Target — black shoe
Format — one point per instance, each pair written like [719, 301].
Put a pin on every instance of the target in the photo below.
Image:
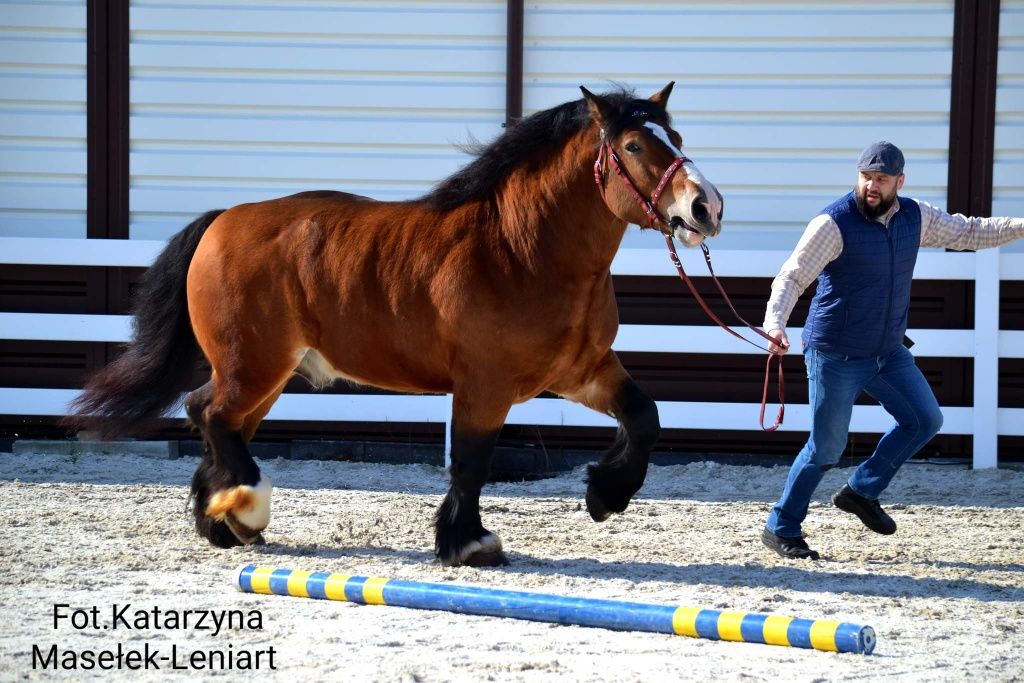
[789, 548]
[869, 511]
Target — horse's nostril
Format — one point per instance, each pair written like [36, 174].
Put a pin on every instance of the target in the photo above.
[699, 211]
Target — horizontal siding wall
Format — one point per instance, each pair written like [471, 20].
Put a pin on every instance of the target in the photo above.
[42, 119]
[235, 102]
[774, 100]
[1008, 171]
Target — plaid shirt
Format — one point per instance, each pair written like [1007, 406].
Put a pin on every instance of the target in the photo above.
[822, 243]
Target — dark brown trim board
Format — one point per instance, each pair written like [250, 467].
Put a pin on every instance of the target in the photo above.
[972, 112]
[107, 127]
[107, 31]
[514, 62]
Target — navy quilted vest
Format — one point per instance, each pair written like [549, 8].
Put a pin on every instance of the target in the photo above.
[863, 297]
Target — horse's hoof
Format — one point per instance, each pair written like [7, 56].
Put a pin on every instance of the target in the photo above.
[245, 507]
[485, 552]
[243, 533]
[492, 558]
[597, 509]
[224, 535]
[217, 533]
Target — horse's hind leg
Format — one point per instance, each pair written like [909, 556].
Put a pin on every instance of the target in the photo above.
[231, 497]
[621, 471]
[253, 419]
[461, 538]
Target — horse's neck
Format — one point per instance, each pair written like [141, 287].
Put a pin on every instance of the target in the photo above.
[552, 216]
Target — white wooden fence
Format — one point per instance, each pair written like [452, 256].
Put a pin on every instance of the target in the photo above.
[986, 344]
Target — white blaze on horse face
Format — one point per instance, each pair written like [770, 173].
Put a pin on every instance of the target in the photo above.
[662, 134]
[682, 207]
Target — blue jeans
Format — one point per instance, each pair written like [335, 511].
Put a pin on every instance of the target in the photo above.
[834, 383]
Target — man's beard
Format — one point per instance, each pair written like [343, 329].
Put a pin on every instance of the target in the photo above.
[873, 212]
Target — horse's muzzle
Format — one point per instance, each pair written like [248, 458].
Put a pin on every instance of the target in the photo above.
[687, 234]
[677, 223]
[701, 220]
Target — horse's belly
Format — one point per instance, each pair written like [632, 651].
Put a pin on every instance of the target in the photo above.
[384, 374]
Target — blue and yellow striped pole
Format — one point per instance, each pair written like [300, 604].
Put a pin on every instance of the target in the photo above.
[611, 614]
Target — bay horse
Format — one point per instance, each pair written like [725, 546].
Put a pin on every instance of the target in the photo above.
[494, 287]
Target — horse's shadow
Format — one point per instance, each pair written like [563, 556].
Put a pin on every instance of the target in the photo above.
[795, 578]
[75, 471]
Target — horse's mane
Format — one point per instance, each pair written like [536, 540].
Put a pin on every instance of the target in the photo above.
[523, 139]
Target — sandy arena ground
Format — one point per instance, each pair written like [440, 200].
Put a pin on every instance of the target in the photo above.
[945, 594]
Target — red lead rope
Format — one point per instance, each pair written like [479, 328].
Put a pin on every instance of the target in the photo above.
[700, 300]
[654, 216]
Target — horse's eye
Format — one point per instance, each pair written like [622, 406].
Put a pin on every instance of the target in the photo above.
[632, 147]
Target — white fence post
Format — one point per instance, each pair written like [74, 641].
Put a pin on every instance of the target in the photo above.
[448, 433]
[986, 358]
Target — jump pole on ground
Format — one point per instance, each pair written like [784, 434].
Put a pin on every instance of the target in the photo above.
[617, 615]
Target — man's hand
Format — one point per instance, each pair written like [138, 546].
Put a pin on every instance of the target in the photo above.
[781, 344]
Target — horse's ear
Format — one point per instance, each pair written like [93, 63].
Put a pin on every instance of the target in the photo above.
[598, 106]
[661, 98]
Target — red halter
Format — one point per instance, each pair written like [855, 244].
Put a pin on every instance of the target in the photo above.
[654, 216]
[650, 206]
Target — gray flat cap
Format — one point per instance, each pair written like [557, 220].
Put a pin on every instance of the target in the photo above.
[881, 156]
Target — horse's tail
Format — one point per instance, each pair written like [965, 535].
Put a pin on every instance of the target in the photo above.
[147, 379]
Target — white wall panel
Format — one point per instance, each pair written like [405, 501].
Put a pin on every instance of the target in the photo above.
[774, 100]
[1008, 171]
[241, 101]
[42, 119]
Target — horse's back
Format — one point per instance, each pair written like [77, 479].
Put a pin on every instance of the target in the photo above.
[333, 195]
[327, 270]
[278, 211]
[299, 216]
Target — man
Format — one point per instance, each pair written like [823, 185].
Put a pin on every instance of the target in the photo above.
[862, 249]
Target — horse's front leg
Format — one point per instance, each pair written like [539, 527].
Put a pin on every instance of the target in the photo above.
[461, 538]
[621, 471]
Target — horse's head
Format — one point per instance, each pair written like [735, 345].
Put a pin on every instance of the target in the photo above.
[643, 174]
